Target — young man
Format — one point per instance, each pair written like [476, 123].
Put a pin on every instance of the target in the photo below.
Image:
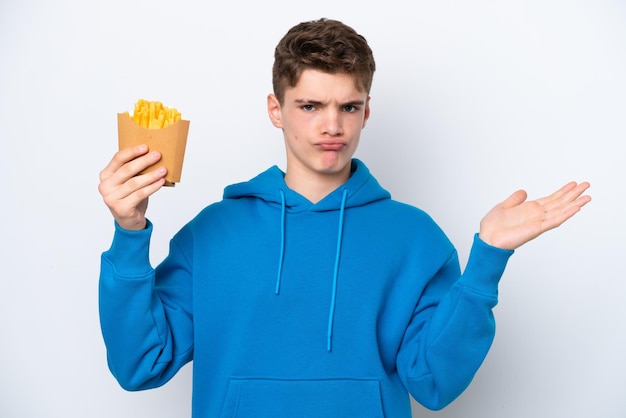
[308, 293]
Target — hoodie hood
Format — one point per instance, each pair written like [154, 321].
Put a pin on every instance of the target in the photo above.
[360, 189]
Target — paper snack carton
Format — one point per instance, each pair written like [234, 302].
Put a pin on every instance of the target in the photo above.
[169, 141]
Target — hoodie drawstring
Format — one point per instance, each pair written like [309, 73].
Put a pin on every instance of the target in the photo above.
[333, 298]
[282, 240]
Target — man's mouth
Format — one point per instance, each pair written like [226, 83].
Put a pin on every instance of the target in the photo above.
[331, 146]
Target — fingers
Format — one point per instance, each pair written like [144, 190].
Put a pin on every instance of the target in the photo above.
[125, 165]
[568, 192]
[567, 196]
[122, 157]
[114, 190]
[564, 203]
[575, 197]
[124, 190]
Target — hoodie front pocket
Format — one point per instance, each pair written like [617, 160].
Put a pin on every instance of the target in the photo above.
[325, 398]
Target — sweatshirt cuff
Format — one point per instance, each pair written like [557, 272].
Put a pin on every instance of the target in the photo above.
[485, 266]
[130, 250]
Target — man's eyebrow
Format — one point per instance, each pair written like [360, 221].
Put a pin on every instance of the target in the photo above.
[321, 103]
[308, 101]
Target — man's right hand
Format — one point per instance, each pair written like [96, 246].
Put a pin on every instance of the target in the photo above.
[124, 191]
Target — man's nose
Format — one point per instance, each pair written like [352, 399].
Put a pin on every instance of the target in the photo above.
[332, 123]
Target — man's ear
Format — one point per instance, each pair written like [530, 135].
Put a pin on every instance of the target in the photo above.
[366, 114]
[273, 110]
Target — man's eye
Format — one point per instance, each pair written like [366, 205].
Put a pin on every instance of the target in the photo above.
[350, 108]
[308, 107]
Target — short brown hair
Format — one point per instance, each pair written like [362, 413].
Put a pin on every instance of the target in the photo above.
[326, 45]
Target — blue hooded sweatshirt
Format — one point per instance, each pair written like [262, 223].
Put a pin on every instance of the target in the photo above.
[287, 308]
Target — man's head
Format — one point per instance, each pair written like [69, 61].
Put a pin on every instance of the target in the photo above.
[325, 45]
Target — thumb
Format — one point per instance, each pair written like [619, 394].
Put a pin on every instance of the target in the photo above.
[515, 199]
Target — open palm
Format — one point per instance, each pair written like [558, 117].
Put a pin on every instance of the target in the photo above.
[516, 221]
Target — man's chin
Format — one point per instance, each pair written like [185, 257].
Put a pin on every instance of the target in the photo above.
[334, 164]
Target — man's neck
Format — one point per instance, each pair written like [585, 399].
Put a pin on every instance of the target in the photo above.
[316, 187]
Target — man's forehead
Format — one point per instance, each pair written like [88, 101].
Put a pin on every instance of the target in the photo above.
[323, 87]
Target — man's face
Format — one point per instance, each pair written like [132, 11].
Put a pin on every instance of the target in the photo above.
[321, 118]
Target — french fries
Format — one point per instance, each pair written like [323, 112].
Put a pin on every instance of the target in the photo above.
[153, 115]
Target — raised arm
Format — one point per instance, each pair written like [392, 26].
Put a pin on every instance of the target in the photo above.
[515, 221]
[126, 193]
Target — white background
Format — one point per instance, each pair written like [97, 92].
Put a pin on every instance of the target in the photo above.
[471, 101]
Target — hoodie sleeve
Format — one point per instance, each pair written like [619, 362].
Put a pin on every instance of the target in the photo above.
[452, 327]
[145, 314]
